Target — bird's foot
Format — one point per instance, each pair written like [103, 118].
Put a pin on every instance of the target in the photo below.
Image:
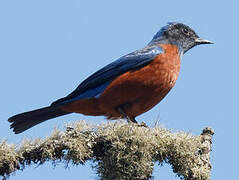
[142, 124]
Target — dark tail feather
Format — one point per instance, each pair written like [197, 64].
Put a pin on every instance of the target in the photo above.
[26, 120]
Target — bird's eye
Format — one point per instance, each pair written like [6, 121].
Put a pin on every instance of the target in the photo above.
[185, 31]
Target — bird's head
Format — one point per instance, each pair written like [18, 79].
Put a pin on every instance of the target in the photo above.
[178, 34]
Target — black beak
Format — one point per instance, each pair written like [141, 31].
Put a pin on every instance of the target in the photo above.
[202, 41]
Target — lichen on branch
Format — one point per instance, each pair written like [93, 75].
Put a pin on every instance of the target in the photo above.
[121, 150]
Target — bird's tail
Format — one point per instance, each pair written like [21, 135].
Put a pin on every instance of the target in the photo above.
[26, 120]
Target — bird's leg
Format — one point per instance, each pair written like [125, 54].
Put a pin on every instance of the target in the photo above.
[121, 111]
[132, 119]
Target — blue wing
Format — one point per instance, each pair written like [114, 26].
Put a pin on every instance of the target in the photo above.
[94, 85]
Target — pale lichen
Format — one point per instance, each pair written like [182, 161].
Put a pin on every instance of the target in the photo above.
[120, 150]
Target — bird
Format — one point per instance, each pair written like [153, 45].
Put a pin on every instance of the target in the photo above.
[127, 87]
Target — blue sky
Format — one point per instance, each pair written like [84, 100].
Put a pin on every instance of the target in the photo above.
[48, 47]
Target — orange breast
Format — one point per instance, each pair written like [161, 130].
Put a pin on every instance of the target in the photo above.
[139, 90]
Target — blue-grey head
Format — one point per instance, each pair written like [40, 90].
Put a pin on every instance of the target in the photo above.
[178, 34]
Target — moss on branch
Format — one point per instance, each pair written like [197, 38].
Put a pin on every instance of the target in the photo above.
[121, 150]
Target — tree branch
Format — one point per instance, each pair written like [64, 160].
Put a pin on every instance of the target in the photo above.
[121, 150]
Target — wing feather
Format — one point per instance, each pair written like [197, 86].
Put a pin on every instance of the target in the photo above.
[94, 85]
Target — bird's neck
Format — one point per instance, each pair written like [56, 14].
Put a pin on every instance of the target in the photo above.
[165, 41]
